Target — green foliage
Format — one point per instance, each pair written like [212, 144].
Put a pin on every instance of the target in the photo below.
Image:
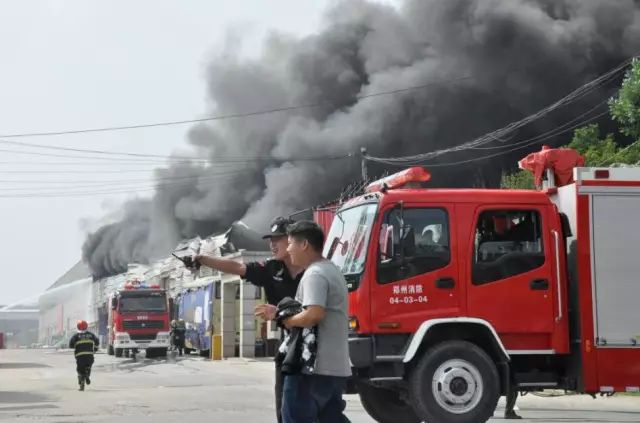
[596, 151]
[522, 179]
[625, 109]
[602, 151]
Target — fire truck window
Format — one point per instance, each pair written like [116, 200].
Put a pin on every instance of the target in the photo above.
[507, 243]
[427, 230]
[136, 303]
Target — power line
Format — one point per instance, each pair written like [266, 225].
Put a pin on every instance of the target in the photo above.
[566, 127]
[147, 157]
[617, 154]
[516, 146]
[501, 133]
[119, 190]
[232, 115]
[151, 170]
[192, 179]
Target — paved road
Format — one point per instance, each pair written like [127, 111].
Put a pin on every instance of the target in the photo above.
[40, 386]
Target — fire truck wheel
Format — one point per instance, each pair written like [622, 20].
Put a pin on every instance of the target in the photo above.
[455, 382]
[110, 350]
[126, 353]
[385, 405]
[118, 352]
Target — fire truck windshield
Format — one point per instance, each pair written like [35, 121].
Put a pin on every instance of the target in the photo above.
[348, 238]
[139, 303]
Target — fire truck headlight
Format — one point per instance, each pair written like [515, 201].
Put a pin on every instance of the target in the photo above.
[162, 337]
[122, 337]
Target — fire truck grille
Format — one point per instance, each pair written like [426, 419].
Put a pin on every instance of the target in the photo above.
[142, 336]
[143, 324]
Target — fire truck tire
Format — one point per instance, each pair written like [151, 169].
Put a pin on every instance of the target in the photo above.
[162, 352]
[455, 382]
[385, 405]
[126, 353]
[150, 353]
[118, 352]
[110, 350]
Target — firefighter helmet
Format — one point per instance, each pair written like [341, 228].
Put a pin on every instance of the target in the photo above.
[82, 325]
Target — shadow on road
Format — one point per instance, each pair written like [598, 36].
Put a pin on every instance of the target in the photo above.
[28, 407]
[16, 397]
[131, 365]
[22, 365]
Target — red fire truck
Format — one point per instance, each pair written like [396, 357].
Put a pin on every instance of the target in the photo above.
[459, 296]
[138, 320]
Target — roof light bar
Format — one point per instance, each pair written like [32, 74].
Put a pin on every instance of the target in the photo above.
[413, 175]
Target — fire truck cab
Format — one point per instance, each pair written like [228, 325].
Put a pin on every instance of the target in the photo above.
[458, 296]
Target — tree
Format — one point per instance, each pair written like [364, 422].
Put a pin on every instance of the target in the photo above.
[625, 108]
[596, 151]
[522, 179]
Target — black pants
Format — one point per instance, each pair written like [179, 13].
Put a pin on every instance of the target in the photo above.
[83, 365]
[278, 391]
[179, 345]
[511, 401]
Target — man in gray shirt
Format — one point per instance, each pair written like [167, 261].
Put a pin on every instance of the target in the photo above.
[317, 397]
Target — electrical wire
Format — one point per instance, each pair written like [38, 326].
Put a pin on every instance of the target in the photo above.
[567, 126]
[149, 157]
[194, 180]
[221, 159]
[610, 159]
[93, 192]
[502, 133]
[232, 115]
[489, 156]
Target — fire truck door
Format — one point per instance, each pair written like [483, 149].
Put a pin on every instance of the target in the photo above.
[511, 279]
[421, 282]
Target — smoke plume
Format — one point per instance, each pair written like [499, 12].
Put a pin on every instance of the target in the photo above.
[518, 55]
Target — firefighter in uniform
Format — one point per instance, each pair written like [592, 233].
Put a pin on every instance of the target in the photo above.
[179, 333]
[278, 277]
[85, 344]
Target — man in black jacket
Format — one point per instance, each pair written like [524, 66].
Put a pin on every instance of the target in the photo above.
[85, 344]
[278, 277]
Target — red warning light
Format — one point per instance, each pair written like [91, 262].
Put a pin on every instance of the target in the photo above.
[399, 180]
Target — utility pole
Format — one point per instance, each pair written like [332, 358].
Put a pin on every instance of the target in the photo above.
[363, 153]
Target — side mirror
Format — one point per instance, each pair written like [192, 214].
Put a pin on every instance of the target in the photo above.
[114, 303]
[332, 248]
[386, 243]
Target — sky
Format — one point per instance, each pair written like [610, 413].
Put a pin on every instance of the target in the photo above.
[69, 64]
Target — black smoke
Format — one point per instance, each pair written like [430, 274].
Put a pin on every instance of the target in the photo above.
[111, 248]
[518, 56]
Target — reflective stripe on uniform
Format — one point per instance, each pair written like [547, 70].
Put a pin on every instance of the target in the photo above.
[84, 341]
[84, 353]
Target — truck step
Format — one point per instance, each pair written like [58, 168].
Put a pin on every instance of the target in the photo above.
[536, 380]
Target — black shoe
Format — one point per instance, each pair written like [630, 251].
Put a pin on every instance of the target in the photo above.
[81, 387]
[87, 380]
[511, 415]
